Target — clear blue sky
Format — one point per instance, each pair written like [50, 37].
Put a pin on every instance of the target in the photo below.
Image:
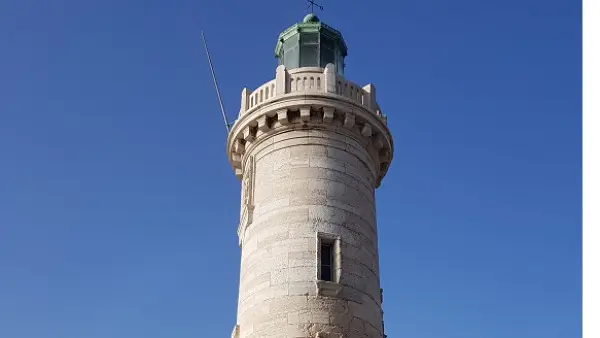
[118, 208]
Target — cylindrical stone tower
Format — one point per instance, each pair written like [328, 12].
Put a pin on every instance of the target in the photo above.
[310, 147]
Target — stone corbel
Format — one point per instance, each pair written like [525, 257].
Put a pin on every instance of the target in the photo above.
[366, 130]
[248, 134]
[282, 117]
[349, 120]
[305, 114]
[238, 146]
[378, 142]
[328, 114]
[263, 124]
[236, 159]
[238, 173]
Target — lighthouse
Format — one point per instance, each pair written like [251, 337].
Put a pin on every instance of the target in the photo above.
[310, 147]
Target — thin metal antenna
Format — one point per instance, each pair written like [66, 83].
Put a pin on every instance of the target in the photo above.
[212, 72]
[312, 5]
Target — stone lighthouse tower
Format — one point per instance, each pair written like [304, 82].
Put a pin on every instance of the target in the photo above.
[310, 147]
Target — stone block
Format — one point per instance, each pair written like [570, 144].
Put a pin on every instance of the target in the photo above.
[248, 291]
[327, 142]
[341, 318]
[342, 155]
[263, 193]
[269, 322]
[327, 135]
[325, 214]
[294, 263]
[317, 186]
[307, 255]
[327, 163]
[302, 288]
[370, 315]
[271, 205]
[282, 157]
[289, 215]
[360, 254]
[373, 331]
[254, 278]
[291, 135]
[280, 277]
[292, 142]
[264, 163]
[291, 244]
[272, 235]
[290, 187]
[289, 304]
[293, 330]
[250, 244]
[272, 294]
[340, 205]
[358, 268]
[303, 200]
[350, 294]
[308, 150]
[302, 230]
[302, 273]
[248, 308]
[361, 173]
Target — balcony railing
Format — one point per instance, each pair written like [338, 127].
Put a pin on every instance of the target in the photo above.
[310, 80]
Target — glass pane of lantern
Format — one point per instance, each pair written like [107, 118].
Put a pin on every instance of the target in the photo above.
[309, 56]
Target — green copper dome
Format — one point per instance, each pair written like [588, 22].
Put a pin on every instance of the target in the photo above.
[310, 18]
[311, 43]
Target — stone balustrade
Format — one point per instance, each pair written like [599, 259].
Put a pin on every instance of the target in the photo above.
[311, 80]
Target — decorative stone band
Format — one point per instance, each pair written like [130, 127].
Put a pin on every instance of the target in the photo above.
[312, 110]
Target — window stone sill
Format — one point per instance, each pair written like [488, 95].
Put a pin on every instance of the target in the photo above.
[328, 289]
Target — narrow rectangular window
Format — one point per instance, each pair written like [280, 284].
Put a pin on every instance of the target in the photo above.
[329, 258]
[326, 262]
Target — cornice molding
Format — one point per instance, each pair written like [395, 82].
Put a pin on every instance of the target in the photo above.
[323, 111]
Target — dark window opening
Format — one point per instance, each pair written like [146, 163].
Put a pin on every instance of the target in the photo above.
[309, 56]
[327, 262]
[327, 51]
[309, 51]
[291, 51]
